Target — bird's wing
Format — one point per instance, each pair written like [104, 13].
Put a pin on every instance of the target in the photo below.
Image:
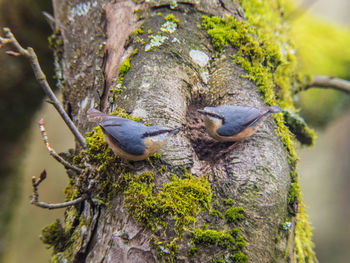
[237, 118]
[114, 121]
[126, 134]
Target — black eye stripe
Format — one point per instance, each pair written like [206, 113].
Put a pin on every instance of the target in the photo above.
[212, 114]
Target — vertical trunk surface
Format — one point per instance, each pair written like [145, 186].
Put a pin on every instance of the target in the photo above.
[165, 85]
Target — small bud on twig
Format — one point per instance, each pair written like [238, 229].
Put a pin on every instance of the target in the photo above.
[12, 53]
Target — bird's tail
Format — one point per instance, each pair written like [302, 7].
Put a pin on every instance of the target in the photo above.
[95, 115]
[266, 111]
[274, 109]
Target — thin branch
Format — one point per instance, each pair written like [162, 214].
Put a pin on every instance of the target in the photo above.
[59, 205]
[329, 82]
[52, 152]
[35, 197]
[41, 78]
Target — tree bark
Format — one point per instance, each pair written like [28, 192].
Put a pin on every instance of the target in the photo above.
[165, 86]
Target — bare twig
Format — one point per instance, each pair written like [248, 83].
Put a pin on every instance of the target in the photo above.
[35, 197]
[41, 78]
[50, 20]
[329, 82]
[52, 152]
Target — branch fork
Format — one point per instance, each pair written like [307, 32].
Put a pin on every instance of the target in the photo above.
[35, 197]
[41, 78]
[37, 181]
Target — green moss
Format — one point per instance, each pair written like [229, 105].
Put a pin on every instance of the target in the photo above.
[54, 236]
[192, 251]
[71, 236]
[217, 260]
[157, 155]
[229, 202]
[124, 67]
[138, 31]
[180, 199]
[294, 194]
[171, 18]
[71, 191]
[299, 128]
[55, 41]
[122, 113]
[230, 242]
[223, 240]
[240, 243]
[98, 151]
[173, 248]
[303, 245]
[277, 239]
[63, 239]
[235, 231]
[162, 169]
[166, 249]
[216, 213]
[234, 214]
[106, 163]
[212, 237]
[58, 258]
[239, 257]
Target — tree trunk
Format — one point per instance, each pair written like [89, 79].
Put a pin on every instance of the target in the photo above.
[201, 201]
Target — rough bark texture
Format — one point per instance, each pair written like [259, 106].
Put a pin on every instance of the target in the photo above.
[166, 86]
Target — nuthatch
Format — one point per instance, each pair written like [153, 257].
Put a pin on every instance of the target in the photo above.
[234, 123]
[129, 139]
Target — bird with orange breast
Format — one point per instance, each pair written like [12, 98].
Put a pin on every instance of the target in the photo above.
[234, 123]
[129, 139]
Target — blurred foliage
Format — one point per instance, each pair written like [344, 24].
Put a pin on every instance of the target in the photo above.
[20, 95]
[19, 92]
[323, 48]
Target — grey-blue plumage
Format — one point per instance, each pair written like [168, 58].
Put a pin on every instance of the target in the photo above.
[234, 123]
[130, 139]
[126, 133]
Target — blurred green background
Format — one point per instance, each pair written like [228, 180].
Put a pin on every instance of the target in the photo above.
[322, 38]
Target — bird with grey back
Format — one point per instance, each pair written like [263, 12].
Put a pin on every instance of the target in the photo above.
[234, 123]
[129, 139]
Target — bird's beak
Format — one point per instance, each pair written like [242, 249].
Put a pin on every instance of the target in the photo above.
[175, 131]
